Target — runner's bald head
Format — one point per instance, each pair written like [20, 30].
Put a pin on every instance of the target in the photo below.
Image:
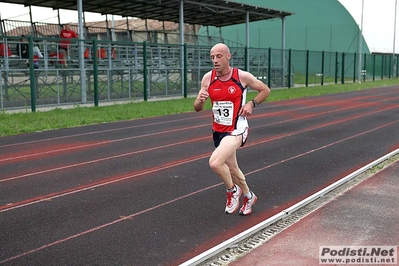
[221, 47]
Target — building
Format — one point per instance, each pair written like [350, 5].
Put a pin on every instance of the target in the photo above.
[320, 25]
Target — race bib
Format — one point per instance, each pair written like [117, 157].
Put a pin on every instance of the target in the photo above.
[223, 112]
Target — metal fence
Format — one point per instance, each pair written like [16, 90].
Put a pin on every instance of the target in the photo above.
[106, 71]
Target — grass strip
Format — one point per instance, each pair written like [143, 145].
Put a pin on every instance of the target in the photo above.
[27, 122]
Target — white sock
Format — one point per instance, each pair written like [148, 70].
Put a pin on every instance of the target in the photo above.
[248, 195]
[233, 189]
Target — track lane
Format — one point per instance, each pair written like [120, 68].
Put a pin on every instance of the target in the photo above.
[178, 180]
[101, 227]
[103, 129]
[76, 171]
[8, 157]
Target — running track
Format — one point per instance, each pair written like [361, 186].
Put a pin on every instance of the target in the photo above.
[141, 192]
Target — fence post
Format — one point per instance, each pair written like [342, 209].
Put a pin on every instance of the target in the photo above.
[246, 53]
[336, 67]
[269, 68]
[95, 72]
[145, 69]
[343, 69]
[307, 68]
[354, 68]
[289, 68]
[322, 68]
[185, 71]
[373, 67]
[365, 66]
[397, 66]
[32, 75]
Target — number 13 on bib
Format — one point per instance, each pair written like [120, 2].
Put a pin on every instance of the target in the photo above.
[223, 112]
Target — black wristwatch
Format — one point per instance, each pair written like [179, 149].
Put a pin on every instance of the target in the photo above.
[254, 102]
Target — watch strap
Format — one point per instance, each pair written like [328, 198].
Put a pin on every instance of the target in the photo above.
[254, 102]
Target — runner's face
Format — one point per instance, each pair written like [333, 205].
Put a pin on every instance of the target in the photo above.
[220, 59]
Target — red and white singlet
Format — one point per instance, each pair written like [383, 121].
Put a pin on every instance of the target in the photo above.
[227, 99]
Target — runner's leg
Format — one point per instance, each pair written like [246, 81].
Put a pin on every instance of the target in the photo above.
[225, 152]
[236, 174]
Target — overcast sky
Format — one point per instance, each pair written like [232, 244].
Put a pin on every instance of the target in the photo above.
[47, 15]
[378, 22]
[378, 19]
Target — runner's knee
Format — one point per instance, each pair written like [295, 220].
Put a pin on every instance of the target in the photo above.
[214, 163]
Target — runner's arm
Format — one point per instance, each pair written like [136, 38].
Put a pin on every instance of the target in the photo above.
[203, 93]
[249, 80]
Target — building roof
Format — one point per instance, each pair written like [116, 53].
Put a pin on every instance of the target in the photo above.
[137, 25]
[217, 13]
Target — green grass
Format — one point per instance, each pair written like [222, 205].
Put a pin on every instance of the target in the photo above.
[27, 122]
[300, 78]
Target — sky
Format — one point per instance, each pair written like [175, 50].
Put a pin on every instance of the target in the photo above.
[378, 19]
[378, 22]
[20, 12]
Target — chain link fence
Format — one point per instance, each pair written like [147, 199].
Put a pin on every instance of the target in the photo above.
[96, 71]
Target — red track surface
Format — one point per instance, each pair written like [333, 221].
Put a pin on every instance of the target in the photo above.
[140, 192]
[366, 216]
